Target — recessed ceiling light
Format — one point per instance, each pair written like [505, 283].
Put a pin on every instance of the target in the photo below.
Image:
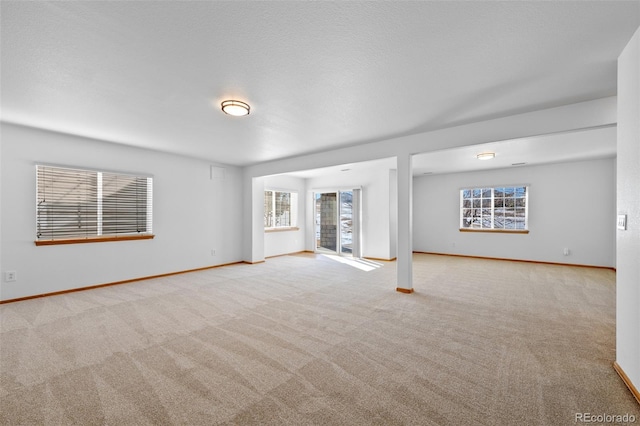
[486, 155]
[236, 108]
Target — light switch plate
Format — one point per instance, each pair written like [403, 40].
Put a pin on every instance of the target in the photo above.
[622, 222]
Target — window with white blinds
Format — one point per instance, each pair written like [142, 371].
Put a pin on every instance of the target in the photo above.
[74, 204]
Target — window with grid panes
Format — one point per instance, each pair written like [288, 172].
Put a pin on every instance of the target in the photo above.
[494, 208]
[280, 209]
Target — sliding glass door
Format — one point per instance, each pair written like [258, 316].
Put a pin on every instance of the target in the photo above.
[326, 221]
[337, 217]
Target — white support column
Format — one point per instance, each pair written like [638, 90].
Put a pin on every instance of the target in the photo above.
[405, 224]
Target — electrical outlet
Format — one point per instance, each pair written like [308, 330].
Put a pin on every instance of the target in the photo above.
[213, 252]
[566, 251]
[10, 276]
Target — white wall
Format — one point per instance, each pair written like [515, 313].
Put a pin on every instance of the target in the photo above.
[1, 180]
[193, 215]
[628, 195]
[393, 213]
[293, 241]
[376, 217]
[570, 205]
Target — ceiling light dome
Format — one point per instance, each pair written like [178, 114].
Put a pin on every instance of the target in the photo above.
[236, 108]
[486, 155]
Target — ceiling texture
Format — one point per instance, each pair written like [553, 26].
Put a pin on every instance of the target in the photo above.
[318, 75]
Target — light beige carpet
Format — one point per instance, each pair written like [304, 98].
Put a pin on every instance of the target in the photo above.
[309, 340]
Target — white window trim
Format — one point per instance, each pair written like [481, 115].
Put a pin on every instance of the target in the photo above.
[294, 206]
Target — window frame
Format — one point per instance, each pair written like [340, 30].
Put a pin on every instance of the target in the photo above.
[97, 235]
[492, 203]
[293, 210]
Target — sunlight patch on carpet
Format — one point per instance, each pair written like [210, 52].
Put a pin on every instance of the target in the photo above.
[362, 264]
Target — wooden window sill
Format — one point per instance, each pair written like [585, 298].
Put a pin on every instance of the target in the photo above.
[101, 239]
[496, 231]
[289, 228]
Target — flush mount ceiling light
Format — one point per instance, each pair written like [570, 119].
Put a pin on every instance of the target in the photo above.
[486, 155]
[235, 108]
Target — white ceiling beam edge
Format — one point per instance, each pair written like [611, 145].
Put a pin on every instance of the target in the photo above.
[580, 116]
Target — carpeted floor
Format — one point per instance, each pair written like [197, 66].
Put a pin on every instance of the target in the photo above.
[308, 339]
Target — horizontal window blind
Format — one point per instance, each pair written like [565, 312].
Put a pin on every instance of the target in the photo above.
[73, 203]
[124, 204]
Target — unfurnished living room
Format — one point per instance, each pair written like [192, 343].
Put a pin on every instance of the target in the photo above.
[319, 213]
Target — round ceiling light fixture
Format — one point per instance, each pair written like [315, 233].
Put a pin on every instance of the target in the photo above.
[486, 155]
[235, 108]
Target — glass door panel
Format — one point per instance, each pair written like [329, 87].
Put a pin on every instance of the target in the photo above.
[326, 206]
[346, 222]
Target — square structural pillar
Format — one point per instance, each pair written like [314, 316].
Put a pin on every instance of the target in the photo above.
[405, 224]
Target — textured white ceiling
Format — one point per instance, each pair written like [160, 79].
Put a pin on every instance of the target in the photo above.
[318, 75]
